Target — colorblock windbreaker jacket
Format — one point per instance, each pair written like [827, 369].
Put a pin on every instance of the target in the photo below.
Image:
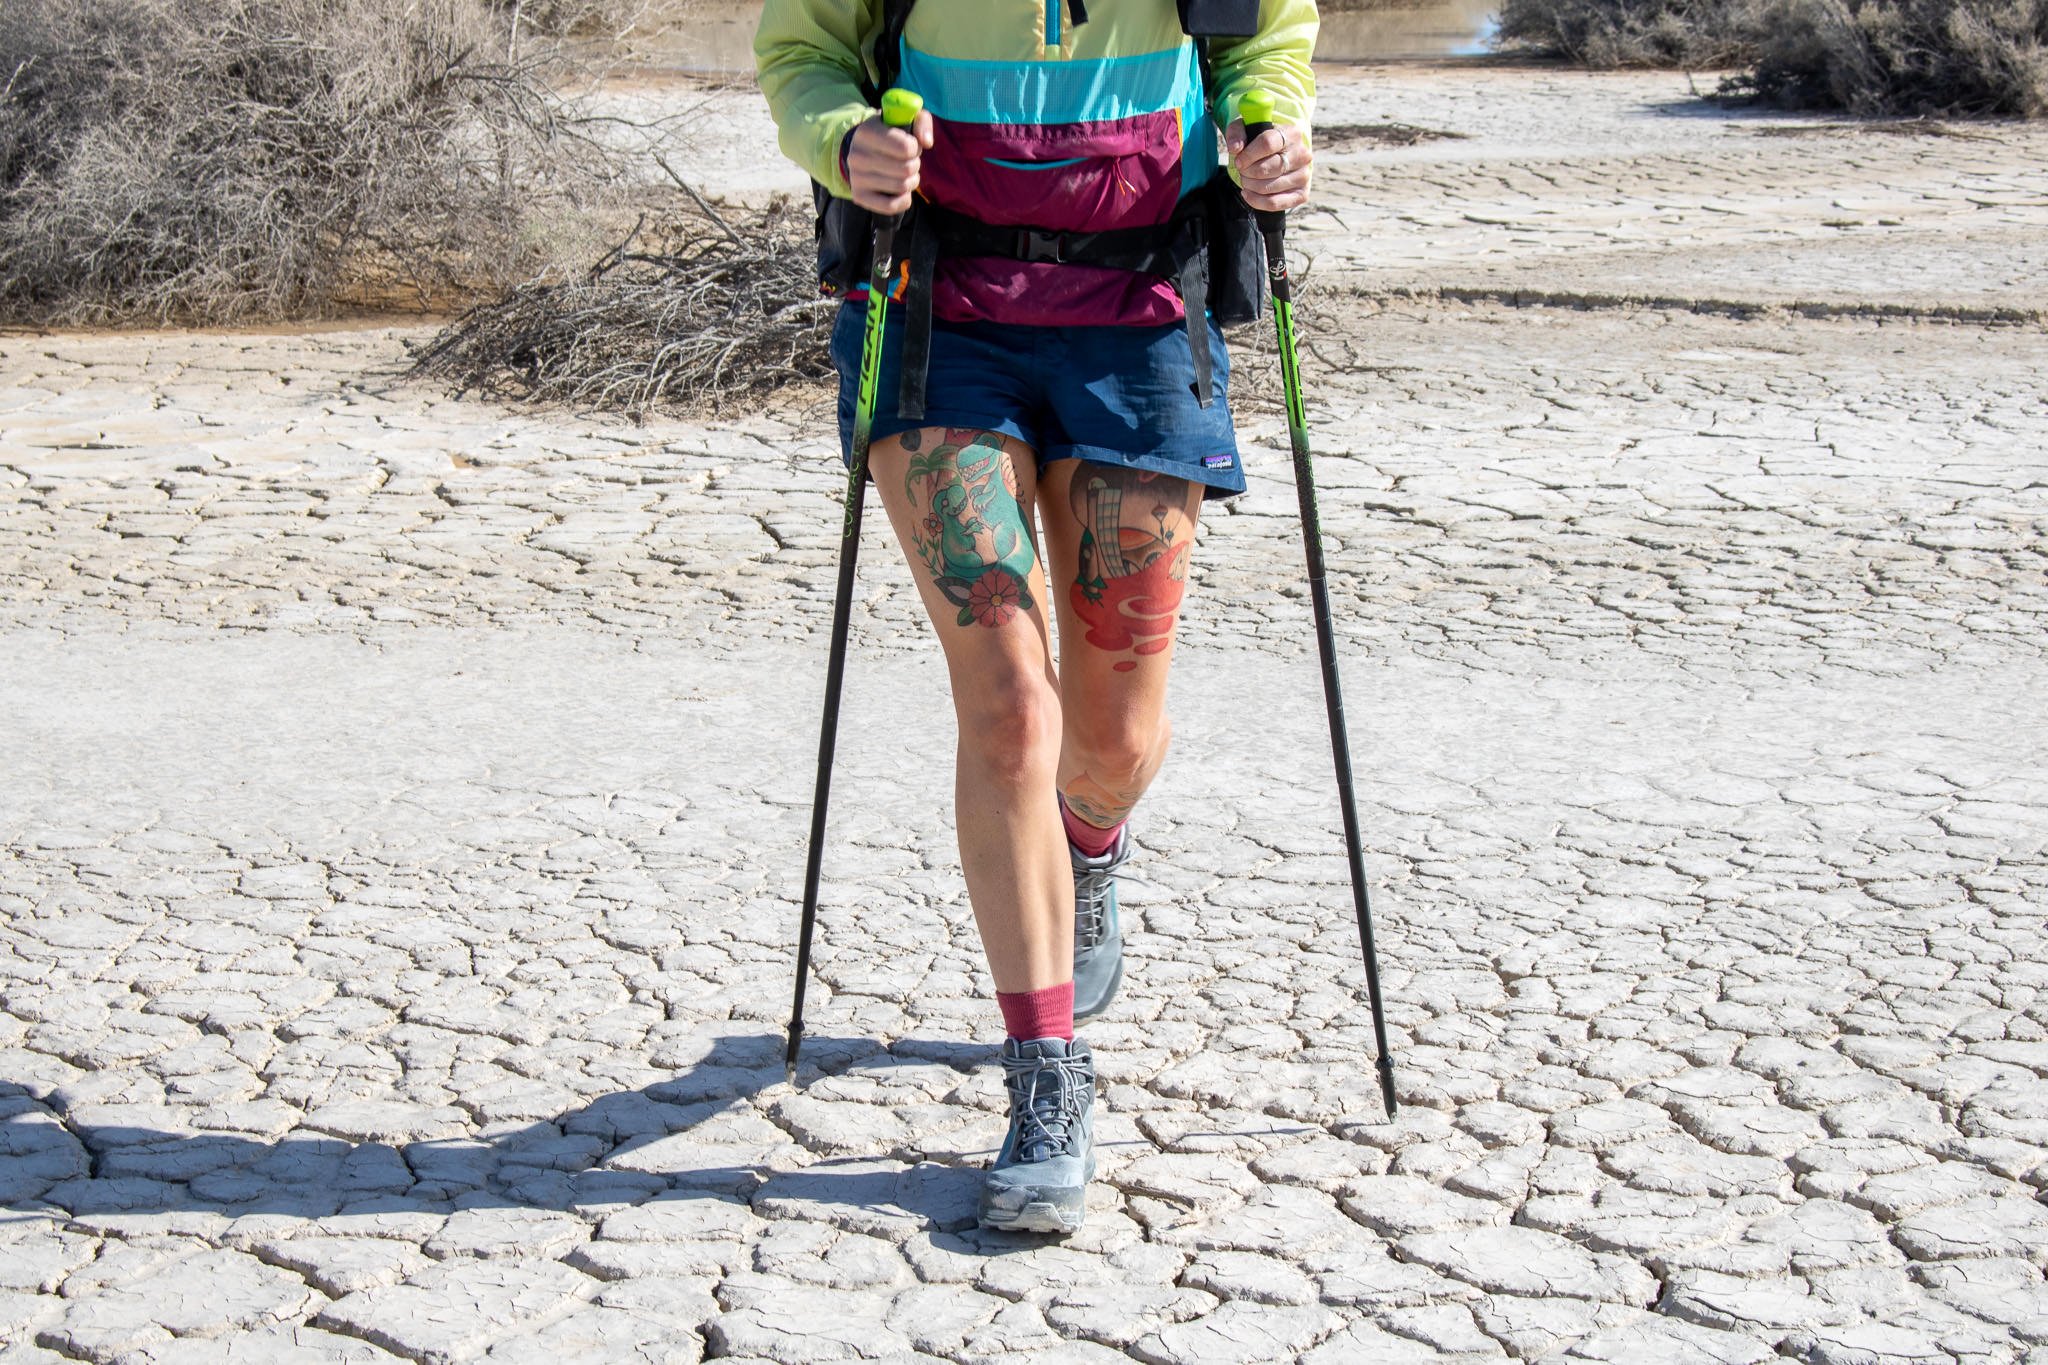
[1039, 121]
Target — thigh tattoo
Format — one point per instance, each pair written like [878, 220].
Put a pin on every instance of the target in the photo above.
[1135, 540]
[970, 531]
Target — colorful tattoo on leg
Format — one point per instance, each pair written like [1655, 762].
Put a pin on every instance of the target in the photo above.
[1134, 558]
[973, 536]
[1095, 803]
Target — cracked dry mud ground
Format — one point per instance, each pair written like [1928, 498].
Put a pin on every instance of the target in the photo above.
[403, 818]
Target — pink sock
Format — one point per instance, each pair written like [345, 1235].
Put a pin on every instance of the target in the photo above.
[1092, 840]
[1048, 1013]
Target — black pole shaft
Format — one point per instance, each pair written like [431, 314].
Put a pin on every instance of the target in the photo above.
[1273, 228]
[828, 739]
[842, 615]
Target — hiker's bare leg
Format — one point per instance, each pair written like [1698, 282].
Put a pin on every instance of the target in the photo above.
[1117, 545]
[961, 503]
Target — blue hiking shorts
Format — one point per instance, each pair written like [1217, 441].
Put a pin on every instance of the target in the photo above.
[1114, 395]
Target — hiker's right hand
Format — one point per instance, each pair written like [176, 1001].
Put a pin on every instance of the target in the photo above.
[882, 163]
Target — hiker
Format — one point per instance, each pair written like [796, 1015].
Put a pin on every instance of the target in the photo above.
[1069, 228]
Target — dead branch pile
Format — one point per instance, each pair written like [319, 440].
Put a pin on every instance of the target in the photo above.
[224, 160]
[724, 315]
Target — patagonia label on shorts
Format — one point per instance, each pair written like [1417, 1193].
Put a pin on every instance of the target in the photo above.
[1218, 461]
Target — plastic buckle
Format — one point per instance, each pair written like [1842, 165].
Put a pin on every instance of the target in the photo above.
[1041, 246]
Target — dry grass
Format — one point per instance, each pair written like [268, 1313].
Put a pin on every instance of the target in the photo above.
[234, 160]
[721, 315]
[1869, 57]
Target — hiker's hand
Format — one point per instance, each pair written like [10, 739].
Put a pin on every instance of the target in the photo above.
[882, 163]
[1274, 169]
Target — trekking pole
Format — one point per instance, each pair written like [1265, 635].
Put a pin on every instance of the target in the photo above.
[1257, 111]
[899, 109]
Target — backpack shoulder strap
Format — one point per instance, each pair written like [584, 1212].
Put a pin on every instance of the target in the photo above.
[889, 42]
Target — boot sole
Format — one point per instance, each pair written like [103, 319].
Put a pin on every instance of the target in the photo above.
[1033, 1217]
[1037, 1215]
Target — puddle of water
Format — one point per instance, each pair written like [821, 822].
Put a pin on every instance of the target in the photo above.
[1445, 28]
[716, 37]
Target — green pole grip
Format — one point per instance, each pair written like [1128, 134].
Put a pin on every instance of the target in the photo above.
[900, 107]
[1256, 109]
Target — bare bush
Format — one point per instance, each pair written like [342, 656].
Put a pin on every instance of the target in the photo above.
[220, 160]
[1954, 57]
[1866, 56]
[725, 313]
[1692, 34]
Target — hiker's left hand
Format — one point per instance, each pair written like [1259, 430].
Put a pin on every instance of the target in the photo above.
[1274, 169]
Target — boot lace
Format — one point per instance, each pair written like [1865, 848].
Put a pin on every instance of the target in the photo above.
[1045, 1101]
[1091, 898]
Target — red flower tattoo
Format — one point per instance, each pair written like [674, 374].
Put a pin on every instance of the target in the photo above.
[993, 599]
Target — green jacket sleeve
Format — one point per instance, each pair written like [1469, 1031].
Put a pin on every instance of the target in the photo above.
[808, 60]
[1276, 57]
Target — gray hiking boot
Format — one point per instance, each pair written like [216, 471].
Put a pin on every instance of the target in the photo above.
[1098, 935]
[1039, 1182]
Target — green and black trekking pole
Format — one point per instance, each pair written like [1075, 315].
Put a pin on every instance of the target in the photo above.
[899, 110]
[1256, 109]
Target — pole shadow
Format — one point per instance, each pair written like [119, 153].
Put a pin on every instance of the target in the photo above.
[688, 1137]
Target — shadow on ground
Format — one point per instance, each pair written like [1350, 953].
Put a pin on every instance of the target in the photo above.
[684, 1138]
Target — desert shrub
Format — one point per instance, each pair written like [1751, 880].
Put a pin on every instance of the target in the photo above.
[1906, 56]
[1866, 56]
[219, 160]
[1693, 34]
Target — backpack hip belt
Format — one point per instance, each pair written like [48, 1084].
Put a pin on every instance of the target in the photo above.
[1176, 250]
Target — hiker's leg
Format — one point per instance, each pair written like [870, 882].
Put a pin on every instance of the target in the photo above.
[1118, 541]
[961, 504]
